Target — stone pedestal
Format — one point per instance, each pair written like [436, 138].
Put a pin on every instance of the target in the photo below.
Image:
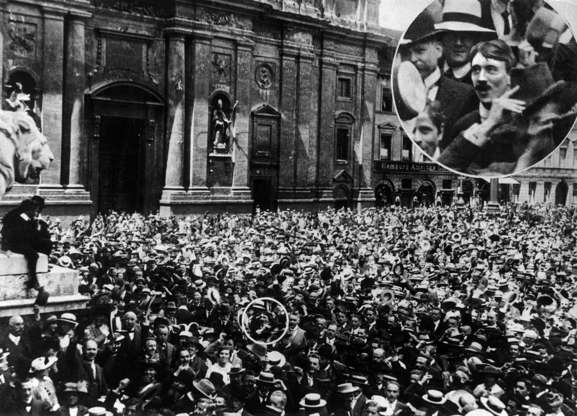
[60, 283]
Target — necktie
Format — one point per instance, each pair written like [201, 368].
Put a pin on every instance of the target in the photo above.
[507, 27]
[449, 74]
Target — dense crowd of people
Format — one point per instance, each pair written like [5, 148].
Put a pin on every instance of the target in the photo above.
[390, 312]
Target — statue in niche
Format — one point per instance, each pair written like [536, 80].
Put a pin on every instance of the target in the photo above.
[223, 125]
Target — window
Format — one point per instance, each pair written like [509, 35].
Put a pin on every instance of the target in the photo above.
[343, 143]
[345, 87]
[407, 149]
[447, 184]
[547, 192]
[547, 162]
[343, 136]
[516, 191]
[532, 190]
[407, 183]
[385, 148]
[562, 156]
[575, 190]
[386, 99]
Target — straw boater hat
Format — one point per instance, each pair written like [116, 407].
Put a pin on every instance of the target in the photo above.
[312, 401]
[462, 16]
[205, 387]
[68, 318]
[276, 359]
[434, 397]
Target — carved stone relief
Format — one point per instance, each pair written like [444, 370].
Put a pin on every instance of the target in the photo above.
[22, 38]
[219, 18]
[221, 68]
[264, 75]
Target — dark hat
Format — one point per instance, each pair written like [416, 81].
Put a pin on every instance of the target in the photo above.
[563, 93]
[258, 349]
[422, 28]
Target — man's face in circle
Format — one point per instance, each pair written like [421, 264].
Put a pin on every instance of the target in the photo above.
[457, 46]
[490, 78]
[425, 56]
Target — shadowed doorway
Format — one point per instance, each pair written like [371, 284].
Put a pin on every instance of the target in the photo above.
[121, 165]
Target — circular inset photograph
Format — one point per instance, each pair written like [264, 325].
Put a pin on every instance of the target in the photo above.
[487, 88]
[265, 321]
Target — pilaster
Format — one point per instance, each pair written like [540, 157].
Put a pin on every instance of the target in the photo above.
[53, 78]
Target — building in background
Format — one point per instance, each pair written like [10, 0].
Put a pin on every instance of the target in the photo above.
[186, 106]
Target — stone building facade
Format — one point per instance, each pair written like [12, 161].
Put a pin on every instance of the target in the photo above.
[184, 106]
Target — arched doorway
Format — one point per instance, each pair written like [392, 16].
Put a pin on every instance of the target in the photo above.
[127, 151]
[561, 193]
[426, 193]
[384, 195]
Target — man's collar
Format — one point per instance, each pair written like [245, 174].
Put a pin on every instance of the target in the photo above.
[483, 112]
[459, 72]
[433, 78]
[25, 216]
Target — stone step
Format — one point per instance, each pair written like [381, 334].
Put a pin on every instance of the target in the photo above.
[57, 282]
[13, 263]
[56, 304]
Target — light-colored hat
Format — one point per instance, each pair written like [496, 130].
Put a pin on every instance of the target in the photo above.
[42, 363]
[494, 405]
[462, 16]
[276, 358]
[434, 397]
[312, 401]
[347, 388]
[68, 318]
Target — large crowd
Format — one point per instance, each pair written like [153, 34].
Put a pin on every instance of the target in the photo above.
[424, 311]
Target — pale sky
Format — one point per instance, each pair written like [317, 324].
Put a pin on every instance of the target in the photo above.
[398, 14]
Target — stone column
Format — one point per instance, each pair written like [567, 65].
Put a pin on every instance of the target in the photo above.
[53, 77]
[367, 121]
[175, 127]
[75, 83]
[327, 91]
[287, 160]
[306, 143]
[242, 124]
[2, 5]
[200, 117]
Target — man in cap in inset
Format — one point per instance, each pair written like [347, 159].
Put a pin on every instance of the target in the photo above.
[422, 46]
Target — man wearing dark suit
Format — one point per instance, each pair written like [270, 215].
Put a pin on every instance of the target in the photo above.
[21, 234]
[28, 405]
[463, 25]
[354, 402]
[18, 344]
[472, 150]
[422, 46]
[93, 375]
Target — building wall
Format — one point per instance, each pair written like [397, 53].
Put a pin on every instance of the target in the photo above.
[169, 62]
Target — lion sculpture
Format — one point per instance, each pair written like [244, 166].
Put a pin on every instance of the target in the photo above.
[24, 150]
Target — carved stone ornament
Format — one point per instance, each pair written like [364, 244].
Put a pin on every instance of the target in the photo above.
[23, 37]
[145, 7]
[222, 19]
[264, 76]
[221, 65]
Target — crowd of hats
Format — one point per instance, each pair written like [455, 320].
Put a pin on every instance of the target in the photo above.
[456, 307]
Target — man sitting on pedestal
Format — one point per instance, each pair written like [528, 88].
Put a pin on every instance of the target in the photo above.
[21, 233]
